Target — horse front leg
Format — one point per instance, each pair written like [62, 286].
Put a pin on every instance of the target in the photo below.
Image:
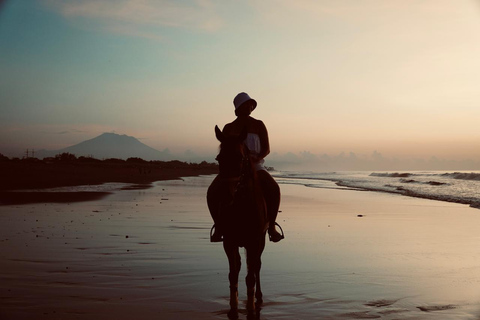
[253, 279]
[234, 262]
[258, 293]
[250, 281]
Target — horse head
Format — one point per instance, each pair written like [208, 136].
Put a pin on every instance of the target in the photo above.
[233, 159]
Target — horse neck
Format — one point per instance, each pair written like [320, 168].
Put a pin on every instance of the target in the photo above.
[248, 170]
[247, 178]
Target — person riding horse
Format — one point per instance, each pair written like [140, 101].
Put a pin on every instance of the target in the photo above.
[258, 144]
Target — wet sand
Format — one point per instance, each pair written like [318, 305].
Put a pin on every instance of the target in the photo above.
[347, 255]
[25, 197]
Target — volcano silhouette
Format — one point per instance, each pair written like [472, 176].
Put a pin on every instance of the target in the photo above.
[111, 145]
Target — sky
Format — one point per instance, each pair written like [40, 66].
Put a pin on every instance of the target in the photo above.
[371, 79]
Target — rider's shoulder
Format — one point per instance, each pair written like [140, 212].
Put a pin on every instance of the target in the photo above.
[256, 123]
[253, 125]
[259, 124]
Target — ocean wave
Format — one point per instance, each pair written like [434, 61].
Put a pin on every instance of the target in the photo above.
[431, 183]
[401, 189]
[436, 183]
[463, 176]
[458, 187]
[409, 181]
[388, 188]
[391, 175]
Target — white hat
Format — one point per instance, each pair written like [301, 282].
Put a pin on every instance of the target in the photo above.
[241, 98]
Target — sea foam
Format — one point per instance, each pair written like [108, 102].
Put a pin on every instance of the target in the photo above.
[459, 187]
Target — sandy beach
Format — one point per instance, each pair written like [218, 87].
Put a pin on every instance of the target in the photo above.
[145, 254]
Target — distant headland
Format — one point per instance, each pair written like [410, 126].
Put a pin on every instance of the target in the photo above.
[66, 169]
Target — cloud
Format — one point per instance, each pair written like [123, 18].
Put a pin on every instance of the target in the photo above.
[142, 18]
[72, 131]
[372, 16]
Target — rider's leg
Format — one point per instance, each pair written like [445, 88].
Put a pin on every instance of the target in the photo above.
[271, 192]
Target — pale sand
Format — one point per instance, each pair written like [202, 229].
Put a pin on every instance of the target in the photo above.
[137, 255]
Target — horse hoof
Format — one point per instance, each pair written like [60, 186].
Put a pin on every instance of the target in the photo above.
[234, 300]
[259, 297]
[250, 305]
[252, 315]
[232, 314]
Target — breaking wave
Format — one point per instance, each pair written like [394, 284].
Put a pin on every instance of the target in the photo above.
[458, 187]
[432, 183]
[463, 176]
[391, 175]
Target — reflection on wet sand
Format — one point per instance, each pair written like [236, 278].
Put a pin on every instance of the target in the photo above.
[15, 198]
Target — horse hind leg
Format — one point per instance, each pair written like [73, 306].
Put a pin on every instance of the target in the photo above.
[250, 281]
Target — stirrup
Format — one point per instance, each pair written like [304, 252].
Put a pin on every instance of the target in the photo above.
[282, 236]
[212, 239]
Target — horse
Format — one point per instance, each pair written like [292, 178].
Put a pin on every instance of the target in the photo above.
[243, 217]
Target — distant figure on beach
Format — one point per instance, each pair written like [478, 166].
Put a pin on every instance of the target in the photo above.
[258, 144]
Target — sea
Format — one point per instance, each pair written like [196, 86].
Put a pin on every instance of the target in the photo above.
[459, 187]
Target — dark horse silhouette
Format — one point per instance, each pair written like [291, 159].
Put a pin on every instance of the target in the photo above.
[243, 217]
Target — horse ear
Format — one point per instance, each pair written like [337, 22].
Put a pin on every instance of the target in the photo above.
[243, 135]
[219, 134]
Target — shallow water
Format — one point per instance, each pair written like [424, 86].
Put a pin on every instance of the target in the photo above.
[347, 255]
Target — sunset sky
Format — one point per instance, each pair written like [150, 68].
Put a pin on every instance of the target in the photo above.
[398, 77]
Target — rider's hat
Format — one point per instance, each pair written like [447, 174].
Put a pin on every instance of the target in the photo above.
[242, 98]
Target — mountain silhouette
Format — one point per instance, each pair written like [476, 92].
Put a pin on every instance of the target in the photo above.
[111, 145]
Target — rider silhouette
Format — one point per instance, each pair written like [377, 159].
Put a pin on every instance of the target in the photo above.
[258, 144]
